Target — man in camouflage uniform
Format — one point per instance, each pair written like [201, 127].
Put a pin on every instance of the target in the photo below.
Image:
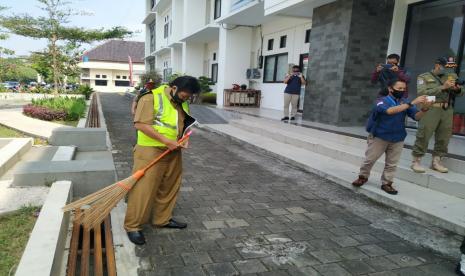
[441, 83]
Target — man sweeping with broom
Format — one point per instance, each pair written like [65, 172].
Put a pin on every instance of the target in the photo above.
[161, 118]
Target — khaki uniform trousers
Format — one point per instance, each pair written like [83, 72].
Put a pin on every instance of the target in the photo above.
[437, 122]
[376, 148]
[292, 100]
[154, 196]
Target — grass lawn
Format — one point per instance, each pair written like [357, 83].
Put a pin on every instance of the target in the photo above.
[11, 133]
[15, 229]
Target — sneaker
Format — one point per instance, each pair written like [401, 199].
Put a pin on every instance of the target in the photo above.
[285, 119]
[292, 118]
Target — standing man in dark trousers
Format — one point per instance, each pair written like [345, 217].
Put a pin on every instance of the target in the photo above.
[292, 92]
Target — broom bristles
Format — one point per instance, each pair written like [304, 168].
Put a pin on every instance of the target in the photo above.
[100, 203]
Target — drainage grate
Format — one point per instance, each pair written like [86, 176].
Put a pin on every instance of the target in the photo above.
[93, 117]
[92, 249]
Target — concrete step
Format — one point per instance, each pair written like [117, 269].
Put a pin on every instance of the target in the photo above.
[435, 207]
[64, 153]
[11, 151]
[352, 150]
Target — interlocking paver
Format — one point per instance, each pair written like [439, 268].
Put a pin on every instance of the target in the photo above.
[249, 212]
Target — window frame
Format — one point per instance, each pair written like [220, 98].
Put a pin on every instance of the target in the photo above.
[308, 32]
[283, 41]
[121, 81]
[214, 78]
[216, 9]
[270, 44]
[275, 70]
[101, 81]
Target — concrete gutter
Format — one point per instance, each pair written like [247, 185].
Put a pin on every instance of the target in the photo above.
[44, 251]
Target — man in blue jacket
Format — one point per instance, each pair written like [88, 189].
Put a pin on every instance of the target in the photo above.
[386, 126]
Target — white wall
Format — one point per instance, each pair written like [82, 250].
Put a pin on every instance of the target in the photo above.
[294, 29]
[194, 13]
[177, 20]
[234, 57]
[211, 48]
[193, 57]
[176, 55]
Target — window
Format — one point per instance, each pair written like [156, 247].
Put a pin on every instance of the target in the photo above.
[100, 82]
[152, 4]
[214, 72]
[166, 74]
[214, 56]
[217, 13]
[307, 35]
[118, 76]
[97, 76]
[166, 27]
[121, 83]
[282, 41]
[276, 67]
[104, 76]
[125, 77]
[270, 44]
[152, 36]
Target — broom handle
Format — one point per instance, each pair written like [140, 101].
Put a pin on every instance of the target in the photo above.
[180, 141]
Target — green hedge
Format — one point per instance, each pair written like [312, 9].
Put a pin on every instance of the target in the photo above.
[209, 98]
[74, 107]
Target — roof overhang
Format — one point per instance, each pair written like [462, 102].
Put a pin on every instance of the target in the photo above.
[250, 14]
[162, 51]
[149, 17]
[299, 8]
[161, 5]
[206, 34]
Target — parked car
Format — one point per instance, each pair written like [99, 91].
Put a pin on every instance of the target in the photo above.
[11, 85]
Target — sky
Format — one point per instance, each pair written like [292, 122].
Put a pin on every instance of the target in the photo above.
[104, 13]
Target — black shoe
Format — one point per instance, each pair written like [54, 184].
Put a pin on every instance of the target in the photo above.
[292, 118]
[136, 237]
[459, 271]
[175, 224]
[285, 119]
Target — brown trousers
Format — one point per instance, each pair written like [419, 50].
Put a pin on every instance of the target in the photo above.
[154, 195]
[376, 148]
[292, 100]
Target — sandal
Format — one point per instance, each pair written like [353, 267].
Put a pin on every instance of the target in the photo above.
[360, 181]
[389, 189]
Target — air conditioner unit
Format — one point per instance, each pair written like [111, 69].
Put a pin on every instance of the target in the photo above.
[253, 73]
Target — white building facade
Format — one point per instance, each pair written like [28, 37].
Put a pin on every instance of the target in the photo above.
[336, 42]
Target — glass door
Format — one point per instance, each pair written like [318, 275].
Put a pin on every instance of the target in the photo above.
[434, 29]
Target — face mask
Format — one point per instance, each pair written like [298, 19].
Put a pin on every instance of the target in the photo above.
[397, 93]
[441, 71]
[176, 98]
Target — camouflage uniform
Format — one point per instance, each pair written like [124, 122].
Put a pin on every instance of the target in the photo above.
[438, 120]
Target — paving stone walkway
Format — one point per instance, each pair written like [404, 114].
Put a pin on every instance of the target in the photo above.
[250, 213]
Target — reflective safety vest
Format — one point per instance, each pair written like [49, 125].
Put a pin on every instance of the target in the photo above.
[165, 119]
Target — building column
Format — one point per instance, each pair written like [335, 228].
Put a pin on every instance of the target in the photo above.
[235, 47]
[192, 59]
[349, 37]
[176, 59]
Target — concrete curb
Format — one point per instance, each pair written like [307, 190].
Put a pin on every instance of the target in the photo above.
[44, 251]
[11, 153]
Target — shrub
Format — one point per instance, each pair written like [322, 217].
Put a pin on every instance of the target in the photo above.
[85, 90]
[58, 108]
[208, 98]
[3, 88]
[44, 113]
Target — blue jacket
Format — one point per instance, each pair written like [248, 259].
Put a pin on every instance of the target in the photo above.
[390, 128]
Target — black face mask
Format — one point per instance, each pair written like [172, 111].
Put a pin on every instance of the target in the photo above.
[397, 93]
[176, 98]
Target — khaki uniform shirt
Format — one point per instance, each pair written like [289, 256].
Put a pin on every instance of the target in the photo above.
[431, 85]
[145, 113]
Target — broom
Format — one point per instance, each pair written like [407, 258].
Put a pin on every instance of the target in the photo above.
[95, 207]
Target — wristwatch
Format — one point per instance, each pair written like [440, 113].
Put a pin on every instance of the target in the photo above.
[410, 104]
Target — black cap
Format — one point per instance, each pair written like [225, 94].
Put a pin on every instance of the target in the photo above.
[441, 60]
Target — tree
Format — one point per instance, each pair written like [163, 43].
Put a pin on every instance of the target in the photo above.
[63, 40]
[16, 69]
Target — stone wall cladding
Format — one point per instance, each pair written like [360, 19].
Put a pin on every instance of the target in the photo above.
[348, 38]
